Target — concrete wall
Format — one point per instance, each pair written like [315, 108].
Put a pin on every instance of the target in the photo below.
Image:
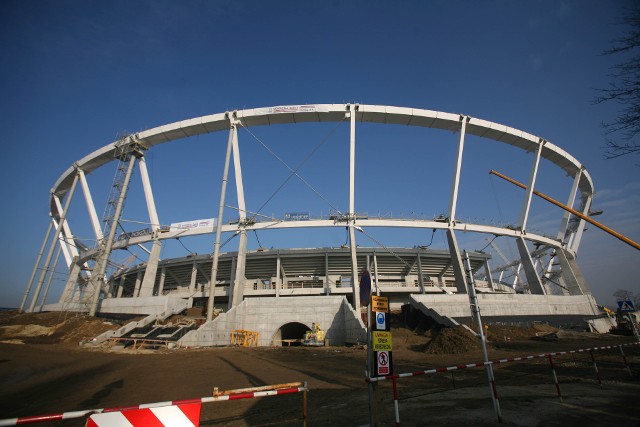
[267, 315]
[143, 305]
[509, 305]
[128, 306]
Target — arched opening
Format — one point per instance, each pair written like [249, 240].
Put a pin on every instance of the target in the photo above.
[290, 334]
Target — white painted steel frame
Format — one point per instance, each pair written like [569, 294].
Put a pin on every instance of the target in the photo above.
[330, 113]
[335, 113]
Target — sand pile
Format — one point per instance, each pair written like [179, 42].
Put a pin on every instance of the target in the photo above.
[452, 341]
[50, 328]
[497, 333]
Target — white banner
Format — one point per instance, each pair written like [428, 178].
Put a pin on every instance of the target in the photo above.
[196, 223]
[294, 109]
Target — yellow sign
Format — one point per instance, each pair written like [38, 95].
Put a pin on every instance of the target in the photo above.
[379, 304]
[381, 341]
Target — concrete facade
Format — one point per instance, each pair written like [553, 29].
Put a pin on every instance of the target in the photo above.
[525, 306]
[268, 315]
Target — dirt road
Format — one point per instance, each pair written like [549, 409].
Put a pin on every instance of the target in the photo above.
[52, 378]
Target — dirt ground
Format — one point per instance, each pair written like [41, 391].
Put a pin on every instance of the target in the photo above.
[43, 370]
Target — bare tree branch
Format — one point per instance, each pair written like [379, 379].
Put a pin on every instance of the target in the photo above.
[625, 90]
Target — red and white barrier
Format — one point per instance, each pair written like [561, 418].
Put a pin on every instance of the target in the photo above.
[489, 364]
[175, 416]
[219, 398]
[492, 362]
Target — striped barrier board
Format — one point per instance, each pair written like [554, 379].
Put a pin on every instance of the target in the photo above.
[187, 415]
[80, 414]
[493, 362]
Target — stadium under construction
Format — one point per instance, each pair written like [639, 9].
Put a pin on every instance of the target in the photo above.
[281, 291]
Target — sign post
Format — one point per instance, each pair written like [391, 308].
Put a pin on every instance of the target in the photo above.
[365, 299]
[627, 306]
[381, 341]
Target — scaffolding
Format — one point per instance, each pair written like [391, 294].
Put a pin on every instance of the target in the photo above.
[86, 294]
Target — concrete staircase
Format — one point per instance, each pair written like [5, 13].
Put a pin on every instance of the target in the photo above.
[163, 315]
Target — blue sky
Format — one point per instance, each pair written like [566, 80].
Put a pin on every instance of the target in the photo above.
[76, 74]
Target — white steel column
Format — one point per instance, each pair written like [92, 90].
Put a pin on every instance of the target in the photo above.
[453, 200]
[516, 275]
[136, 289]
[152, 262]
[35, 267]
[194, 278]
[533, 278]
[216, 245]
[572, 198]
[64, 245]
[351, 216]
[375, 272]
[327, 282]
[97, 230]
[420, 276]
[53, 270]
[456, 258]
[526, 203]
[487, 271]
[456, 263]
[56, 236]
[148, 194]
[121, 286]
[97, 280]
[278, 267]
[575, 244]
[66, 234]
[239, 282]
[163, 276]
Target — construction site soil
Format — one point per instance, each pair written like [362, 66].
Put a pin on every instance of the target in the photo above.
[43, 370]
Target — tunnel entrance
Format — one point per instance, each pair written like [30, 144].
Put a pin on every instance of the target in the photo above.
[290, 334]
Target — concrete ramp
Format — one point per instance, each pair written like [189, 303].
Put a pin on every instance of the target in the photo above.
[439, 318]
[270, 316]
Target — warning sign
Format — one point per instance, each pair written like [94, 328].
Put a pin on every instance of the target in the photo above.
[626, 305]
[381, 321]
[379, 304]
[383, 363]
[381, 341]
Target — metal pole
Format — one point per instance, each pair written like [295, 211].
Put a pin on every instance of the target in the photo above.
[35, 267]
[216, 245]
[370, 385]
[351, 216]
[635, 328]
[395, 401]
[573, 211]
[304, 405]
[626, 364]
[595, 367]
[555, 377]
[476, 311]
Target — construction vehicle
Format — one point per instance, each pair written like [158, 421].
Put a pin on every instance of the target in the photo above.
[626, 322]
[314, 337]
